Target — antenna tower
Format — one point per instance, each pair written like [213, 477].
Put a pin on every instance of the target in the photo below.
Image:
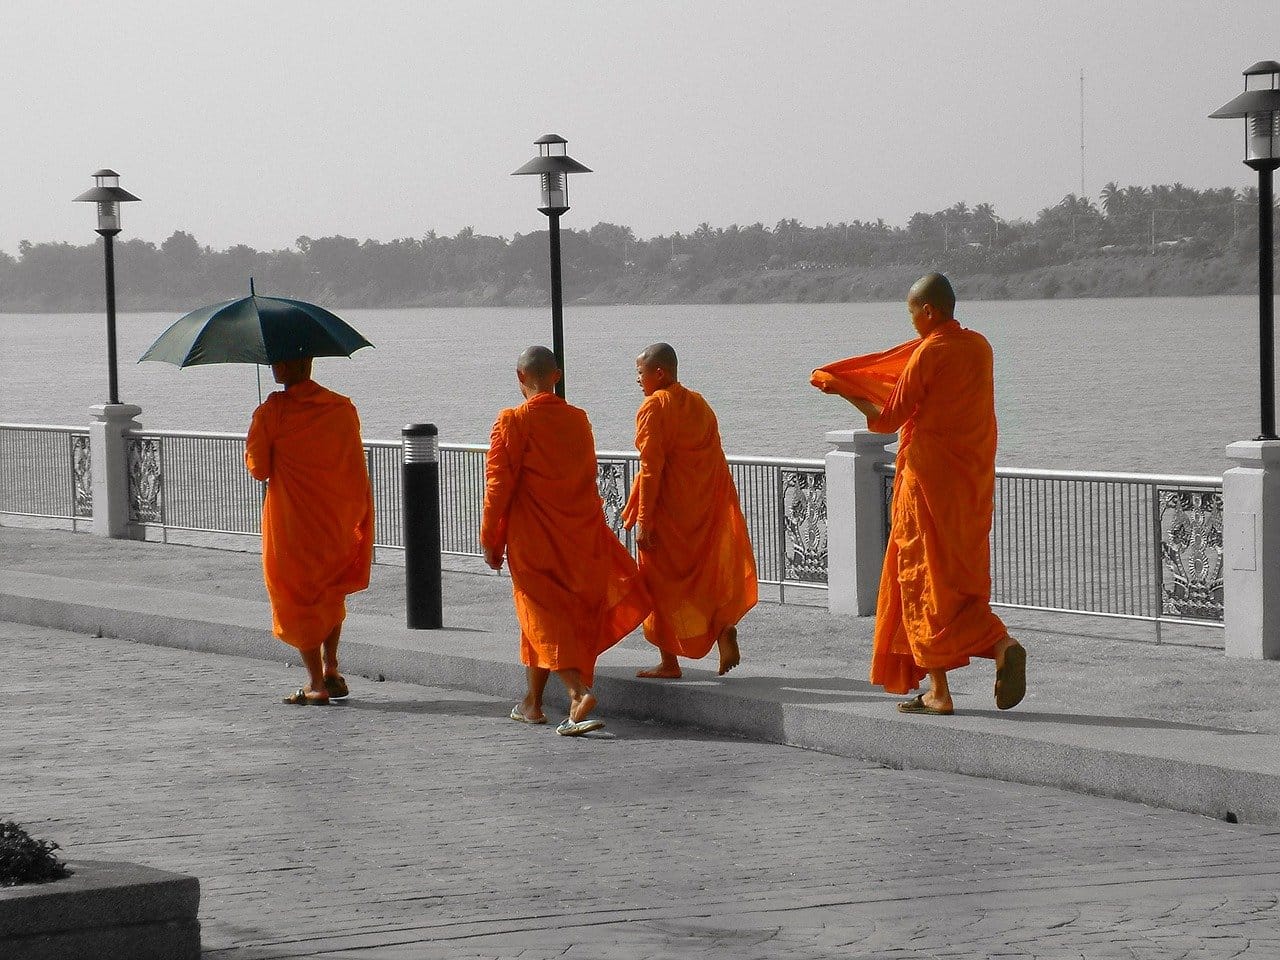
[1081, 134]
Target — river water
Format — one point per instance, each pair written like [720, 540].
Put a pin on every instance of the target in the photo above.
[1152, 385]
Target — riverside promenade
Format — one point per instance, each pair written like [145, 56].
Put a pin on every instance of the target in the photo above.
[416, 821]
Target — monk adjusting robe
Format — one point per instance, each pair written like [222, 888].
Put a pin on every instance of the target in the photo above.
[317, 519]
[577, 591]
[933, 611]
[701, 574]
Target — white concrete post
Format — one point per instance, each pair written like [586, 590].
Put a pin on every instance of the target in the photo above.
[110, 469]
[856, 531]
[1251, 549]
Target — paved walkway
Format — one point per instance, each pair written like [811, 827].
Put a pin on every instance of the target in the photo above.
[1177, 726]
[416, 822]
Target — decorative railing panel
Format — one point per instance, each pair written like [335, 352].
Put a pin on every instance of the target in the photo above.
[804, 511]
[1191, 585]
[1123, 545]
[613, 480]
[45, 472]
[81, 475]
[146, 480]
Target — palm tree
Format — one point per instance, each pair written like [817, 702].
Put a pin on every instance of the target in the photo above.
[1113, 200]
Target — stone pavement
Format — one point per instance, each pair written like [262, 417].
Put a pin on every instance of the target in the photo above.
[1177, 726]
[417, 822]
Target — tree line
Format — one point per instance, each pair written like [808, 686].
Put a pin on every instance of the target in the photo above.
[1133, 240]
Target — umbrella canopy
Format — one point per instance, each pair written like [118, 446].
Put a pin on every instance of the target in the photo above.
[255, 330]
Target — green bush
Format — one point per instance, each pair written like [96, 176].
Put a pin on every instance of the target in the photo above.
[24, 859]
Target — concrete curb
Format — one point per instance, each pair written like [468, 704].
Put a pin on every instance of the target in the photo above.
[1218, 773]
[103, 911]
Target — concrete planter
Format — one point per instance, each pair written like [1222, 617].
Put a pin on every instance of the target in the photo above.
[103, 911]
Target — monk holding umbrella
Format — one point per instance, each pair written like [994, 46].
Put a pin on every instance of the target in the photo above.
[304, 441]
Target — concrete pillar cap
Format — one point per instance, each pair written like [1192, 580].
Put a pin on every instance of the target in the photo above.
[1266, 452]
[860, 441]
[115, 411]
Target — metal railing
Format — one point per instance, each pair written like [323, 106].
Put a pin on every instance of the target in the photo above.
[179, 480]
[45, 472]
[1133, 546]
[196, 482]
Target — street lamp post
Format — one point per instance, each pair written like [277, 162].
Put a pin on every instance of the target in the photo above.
[1260, 108]
[108, 195]
[553, 165]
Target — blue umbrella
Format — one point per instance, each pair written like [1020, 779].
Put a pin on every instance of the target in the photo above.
[255, 329]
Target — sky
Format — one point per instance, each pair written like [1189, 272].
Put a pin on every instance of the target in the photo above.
[260, 122]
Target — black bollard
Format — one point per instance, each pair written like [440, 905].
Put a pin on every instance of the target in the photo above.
[421, 500]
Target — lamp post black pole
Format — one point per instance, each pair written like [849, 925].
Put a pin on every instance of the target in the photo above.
[557, 307]
[1266, 303]
[108, 247]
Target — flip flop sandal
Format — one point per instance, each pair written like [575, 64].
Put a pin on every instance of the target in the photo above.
[301, 698]
[917, 705]
[337, 687]
[1011, 677]
[568, 728]
[518, 716]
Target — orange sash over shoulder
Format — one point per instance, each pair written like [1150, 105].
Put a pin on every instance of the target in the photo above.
[701, 574]
[577, 591]
[317, 518]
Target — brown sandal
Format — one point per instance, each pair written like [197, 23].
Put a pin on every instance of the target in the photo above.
[336, 686]
[303, 697]
[917, 705]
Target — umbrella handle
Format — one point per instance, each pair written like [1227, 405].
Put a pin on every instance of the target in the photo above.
[258, 369]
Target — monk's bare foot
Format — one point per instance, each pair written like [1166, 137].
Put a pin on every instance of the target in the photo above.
[580, 707]
[730, 655]
[661, 672]
[668, 669]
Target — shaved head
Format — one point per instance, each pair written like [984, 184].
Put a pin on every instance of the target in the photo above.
[934, 289]
[289, 372]
[661, 355]
[537, 363]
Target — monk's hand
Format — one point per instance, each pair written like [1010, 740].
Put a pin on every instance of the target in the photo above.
[645, 539]
[493, 557]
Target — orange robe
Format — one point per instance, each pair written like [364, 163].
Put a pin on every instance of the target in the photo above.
[317, 519]
[934, 608]
[577, 591]
[701, 574]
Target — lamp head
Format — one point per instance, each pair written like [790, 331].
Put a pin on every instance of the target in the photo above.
[108, 195]
[553, 166]
[1259, 105]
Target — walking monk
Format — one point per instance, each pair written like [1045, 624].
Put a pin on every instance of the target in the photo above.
[934, 609]
[695, 555]
[577, 591]
[317, 519]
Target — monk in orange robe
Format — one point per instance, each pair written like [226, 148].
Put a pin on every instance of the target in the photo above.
[695, 555]
[934, 609]
[577, 591]
[317, 519]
